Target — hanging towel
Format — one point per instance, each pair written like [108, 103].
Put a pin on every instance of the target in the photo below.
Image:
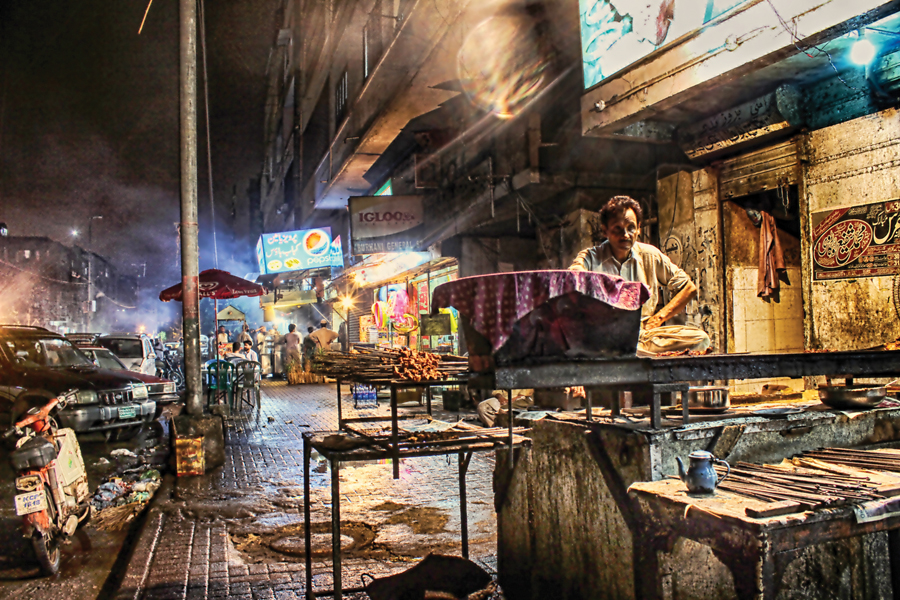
[771, 258]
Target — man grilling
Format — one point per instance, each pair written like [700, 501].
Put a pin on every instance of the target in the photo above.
[621, 254]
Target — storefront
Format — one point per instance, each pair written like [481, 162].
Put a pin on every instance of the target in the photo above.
[389, 294]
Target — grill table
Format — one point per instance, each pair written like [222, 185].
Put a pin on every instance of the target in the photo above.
[395, 385]
[370, 450]
[671, 374]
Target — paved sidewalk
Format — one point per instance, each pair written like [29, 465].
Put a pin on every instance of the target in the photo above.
[238, 532]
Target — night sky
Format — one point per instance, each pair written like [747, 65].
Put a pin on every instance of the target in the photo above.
[89, 123]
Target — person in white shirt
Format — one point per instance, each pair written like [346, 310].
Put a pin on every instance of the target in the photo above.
[247, 352]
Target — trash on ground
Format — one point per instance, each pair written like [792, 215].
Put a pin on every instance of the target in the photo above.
[123, 452]
[121, 498]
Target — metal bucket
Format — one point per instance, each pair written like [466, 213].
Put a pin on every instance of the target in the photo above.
[708, 397]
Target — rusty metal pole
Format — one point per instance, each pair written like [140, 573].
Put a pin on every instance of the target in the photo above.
[190, 265]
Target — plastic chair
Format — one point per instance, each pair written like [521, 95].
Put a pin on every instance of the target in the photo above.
[248, 374]
[218, 378]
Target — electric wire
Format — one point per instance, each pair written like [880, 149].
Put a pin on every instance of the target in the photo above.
[212, 200]
[795, 39]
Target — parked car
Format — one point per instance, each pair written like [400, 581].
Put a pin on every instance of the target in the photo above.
[162, 391]
[37, 365]
[133, 349]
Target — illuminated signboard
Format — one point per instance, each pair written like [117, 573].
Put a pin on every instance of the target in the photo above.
[385, 223]
[294, 250]
[337, 253]
[617, 33]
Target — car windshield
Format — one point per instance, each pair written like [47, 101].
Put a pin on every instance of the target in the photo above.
[46, 352]
[123, 347]
[106, 360]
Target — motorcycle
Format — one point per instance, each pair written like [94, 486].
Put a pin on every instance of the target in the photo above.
[168, 366]
[53, 498]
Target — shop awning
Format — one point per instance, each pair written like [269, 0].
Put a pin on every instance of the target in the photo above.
[383, 269]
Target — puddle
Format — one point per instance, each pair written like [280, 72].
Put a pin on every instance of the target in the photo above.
[421, 519]
[286, 544]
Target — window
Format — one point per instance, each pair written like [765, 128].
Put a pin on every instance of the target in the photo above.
[366, 51]
[371, 34]
[341, 96]
[123, 347]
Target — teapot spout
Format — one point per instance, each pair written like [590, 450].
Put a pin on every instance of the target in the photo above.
[681, 472]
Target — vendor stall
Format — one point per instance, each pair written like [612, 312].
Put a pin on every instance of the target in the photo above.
[567, 527]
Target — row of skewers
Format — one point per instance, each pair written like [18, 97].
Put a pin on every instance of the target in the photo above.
[803, 480]
[380, 365]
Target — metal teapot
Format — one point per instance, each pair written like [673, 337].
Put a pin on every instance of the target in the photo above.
[701, 477]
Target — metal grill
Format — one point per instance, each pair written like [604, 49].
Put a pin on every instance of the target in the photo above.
[122, 396]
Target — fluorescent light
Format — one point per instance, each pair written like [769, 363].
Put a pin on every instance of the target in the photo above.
[862, 52]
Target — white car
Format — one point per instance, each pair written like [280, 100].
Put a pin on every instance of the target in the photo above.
[134, 349]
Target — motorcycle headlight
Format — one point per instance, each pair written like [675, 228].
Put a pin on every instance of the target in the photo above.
[139, 391]
[86, 397]
[169, 388]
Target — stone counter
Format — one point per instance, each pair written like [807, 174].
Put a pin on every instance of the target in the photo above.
[563, 535]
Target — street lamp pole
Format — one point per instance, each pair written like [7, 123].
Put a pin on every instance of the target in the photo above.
[90, 306]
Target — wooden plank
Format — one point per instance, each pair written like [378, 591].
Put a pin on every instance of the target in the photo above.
[777, 509]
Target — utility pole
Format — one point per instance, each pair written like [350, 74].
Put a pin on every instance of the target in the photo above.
[90, 306]
[190, 265]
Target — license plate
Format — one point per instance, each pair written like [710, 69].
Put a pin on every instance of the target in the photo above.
[31, 502]
[127, 412]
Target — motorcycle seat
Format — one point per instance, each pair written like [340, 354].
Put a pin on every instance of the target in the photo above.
[36, 453]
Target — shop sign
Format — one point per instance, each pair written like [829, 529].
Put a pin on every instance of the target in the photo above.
[385, 223]
[618, 33]
[423, 296]
[294, 250]
[861, 241]
[337, 253]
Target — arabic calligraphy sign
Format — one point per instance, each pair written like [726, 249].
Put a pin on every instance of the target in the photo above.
[862, 241]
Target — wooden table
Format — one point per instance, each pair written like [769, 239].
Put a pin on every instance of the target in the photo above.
[756, 551]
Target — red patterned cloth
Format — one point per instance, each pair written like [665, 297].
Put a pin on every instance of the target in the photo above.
[493, 303]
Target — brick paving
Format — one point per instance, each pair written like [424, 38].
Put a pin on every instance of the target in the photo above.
[237, 532]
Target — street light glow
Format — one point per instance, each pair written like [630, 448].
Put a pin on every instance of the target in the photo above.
[74, 233]
[346, 303]
[863, 52]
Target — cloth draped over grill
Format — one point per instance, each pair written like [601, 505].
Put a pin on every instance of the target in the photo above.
[548, 313]
[771, 259]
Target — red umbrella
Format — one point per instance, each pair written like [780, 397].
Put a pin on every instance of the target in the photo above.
[219, 285]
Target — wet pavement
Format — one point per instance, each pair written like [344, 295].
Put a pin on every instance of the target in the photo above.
[238, 532]
[92, 559]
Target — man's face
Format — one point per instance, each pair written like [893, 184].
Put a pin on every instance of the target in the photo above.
[622, 232]
[247, 346]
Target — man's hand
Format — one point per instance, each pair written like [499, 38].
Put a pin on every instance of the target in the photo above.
[653, 322]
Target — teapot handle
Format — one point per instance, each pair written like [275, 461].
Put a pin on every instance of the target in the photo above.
[727, 469]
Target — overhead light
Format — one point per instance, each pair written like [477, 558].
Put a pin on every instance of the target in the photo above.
[863, 51]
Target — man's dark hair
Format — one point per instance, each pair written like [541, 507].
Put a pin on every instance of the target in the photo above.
[291, 328]
[248, 343]
[235, 346]
[310, 329]
[617, 206]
